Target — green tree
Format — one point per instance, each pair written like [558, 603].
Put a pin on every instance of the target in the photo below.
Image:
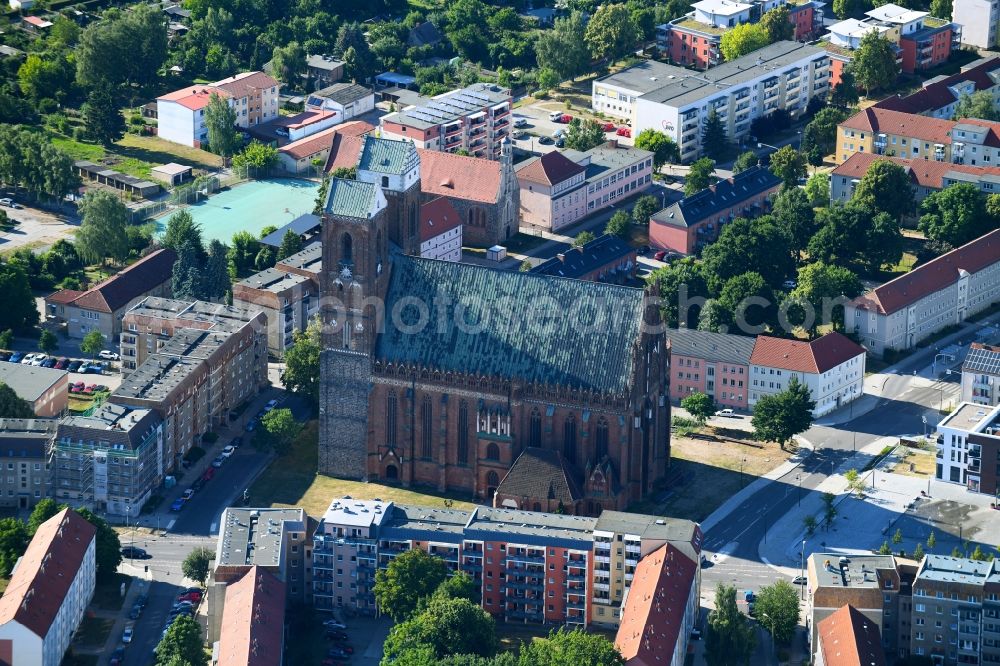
[918, 553]
[195, 565]
[884, 243]
[583, 135]
[681, 283]
[779, 417]
[778, 24]
[745, 161]
[777, 606]
[644, 208]
[789, 165]
[848, 8]
[215, 280]
[242, 254]
[256, 155]
[289, 63]
[941, 9]
[448, 626]
[47, 341]
[829, 509]
[301, 374]
[102, 117]
[278, 430]
[291, 243]
[885, 549]
[13, 406]
[886, 187]
[92, 343]
[107, 547]
[64, 31]
[266, 258]
[955, 215]
[699, 405]
[809, 522]
[459, 585]
[714, 142]
[563, 49]
[897, 538]
[181, 229]
[619, 225]
[931, 540]
[6, 339]
[855, 483]
[583, 238]
[17, 304]
[664, 148]
[874, 62]
[826, 288]
[747, 301]
[979, 104]
[845, 93]
[183, 642]
[185, 280]
[409, 578]
[793, 211]
[563, 647]
[123, 48]
[547, 78]
[610, 33]
[102, 233]
[220, 121]
[45, 509]
[743, 39]
[979, 555]
[701, 174]
[730, 639]
[13, 542]
[760, 245]
[46, 75]
[818, 189]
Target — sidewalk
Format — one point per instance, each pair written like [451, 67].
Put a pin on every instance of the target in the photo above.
[139, 586]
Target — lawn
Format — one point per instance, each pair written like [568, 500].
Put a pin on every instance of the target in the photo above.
[107, 594]
[93, 632]
[921, 464]
[155, 150]
[292, 481]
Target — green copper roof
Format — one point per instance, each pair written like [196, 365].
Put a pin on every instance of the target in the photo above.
[387, 156]
[516, 325]
[351, 198]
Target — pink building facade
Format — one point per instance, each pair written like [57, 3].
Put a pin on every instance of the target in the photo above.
[716, 364]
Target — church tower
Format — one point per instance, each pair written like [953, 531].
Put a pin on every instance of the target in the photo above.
[353, 284]
[394, 166]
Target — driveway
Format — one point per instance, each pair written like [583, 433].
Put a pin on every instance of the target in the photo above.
[37, 229]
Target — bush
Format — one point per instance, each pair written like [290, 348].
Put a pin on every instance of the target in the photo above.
[210, 437]
[196, 453]
[152, 503]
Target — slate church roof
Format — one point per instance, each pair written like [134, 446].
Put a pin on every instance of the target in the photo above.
[541, 473]
[516, 325]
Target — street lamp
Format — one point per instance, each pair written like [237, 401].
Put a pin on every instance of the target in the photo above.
[741, 471]
[802, 570]
[798, 477]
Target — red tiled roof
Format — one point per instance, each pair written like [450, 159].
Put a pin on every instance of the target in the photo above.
[117, 291]
[193, 97]
[436, 217]
[64, 296]
[253, 620]
[933, 276]
[45, 573]
[924, 128]
[550, 169]
[345, 152]
[937, 95]
[37, 21]
[459, 177]
[653, 617]
[992, 137]
[813, 357]
[848, 638]
[243, 84]
[324, 139]
[926, 173]
[354, 128]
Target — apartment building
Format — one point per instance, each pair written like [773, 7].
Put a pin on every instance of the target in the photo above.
[476, 119]
[193, 381]
[981, 375]
[944, 291]
[968, 446]
[677, 101]
[109, 461]
[276, 541]
[288, 300]
[181, 114]
[716, 364]
[152, 322]
[927, 176]
[607, 258]
[847, 637]
[102, 307]
[324, 70]
[24, 460]
[45, 389]
[559, 189]
[940, 95]
[253, 621]
[832, 367]
[979, 20]
[694, 39]
[440, 231]
[695, 221]
[897, 134]
[528, 567]
[948, 618]
[49, 591]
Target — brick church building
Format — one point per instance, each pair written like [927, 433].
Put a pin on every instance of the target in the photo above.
[524, 390]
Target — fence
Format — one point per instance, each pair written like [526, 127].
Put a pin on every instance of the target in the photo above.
[193, 192]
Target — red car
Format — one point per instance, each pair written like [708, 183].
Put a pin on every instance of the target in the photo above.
[659, 256]
[193, 597]
[625, 132]
[608, 127]
[209, 473]
[565, 119]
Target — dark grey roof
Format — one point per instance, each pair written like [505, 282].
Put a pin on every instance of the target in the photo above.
[511, 324]
[425, 33]
[723, 195]
[301, 225]
[309, 259]
[646, 76]
[711, 346]
[110, 423]
[26, 437]
[579, 261]
[342, 93]
[985, 359]
[323, 62]
[541, 474]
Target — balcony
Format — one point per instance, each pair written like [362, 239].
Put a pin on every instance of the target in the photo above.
[535, 616]
[471, 566]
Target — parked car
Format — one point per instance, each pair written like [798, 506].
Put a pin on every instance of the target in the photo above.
[608, 127]
[334, 624]
[135, 553]
[565, 119]
[207, 476]
[127, 634]
[5, 355]
[28, 359]
[108, 355]
[183, 604]
[336, 634]
[117, 657]
[336, 653]
[7, 202]
[178, 504]
[520, 122]
[236, 442]
[228, 450]
[93, 368]
[661, 255]
[625, 132]
[271, 404]
[76, 387]
[16, 357]
[544, 140]
[560, 142]
[61, 364]
[218, 461]
[73, 366]
[799, 580]
[100, 388]
[517, 135]
[789, 284]
[559, 133]
[194, 596]
[49, 362]
[727, 413]
[555, 116]
[135, 612]
[188, 494]
[251, 424]
[39, 359]
[89, 390]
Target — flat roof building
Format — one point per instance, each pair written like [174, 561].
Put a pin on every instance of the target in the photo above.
[45, 389]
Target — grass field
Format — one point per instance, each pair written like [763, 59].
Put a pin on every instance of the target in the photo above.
[93, 632]
[924, 463]
[137, 155]
[292, 481]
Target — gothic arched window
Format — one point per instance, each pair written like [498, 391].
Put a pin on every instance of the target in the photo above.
[535, 429]
[390, 419]
[427, 425]
[601, 440]
[492, 452]
[463, 433]
[569, 439]
[346, 248]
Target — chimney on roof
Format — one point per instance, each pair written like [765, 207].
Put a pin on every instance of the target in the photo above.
[561, 257]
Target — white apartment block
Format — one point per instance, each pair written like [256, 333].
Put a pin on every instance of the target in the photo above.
[979, 20]
[440, 231]
[831, 367]
[965, 438]
[944, 291]
[678, 101]
[981, 375]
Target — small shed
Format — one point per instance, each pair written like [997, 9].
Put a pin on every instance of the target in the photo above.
[171, 174]
[496, 253]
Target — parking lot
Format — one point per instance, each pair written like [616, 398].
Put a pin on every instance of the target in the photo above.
[36, 228]
[541, 126]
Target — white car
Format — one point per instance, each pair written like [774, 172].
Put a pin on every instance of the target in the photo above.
[127, 634]
[228, 450]
[559, 133]
[28, 359]
[271, 404]
[520, 122]
[555, 116]
[108, 355]
[39, 359]
[728, 413]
